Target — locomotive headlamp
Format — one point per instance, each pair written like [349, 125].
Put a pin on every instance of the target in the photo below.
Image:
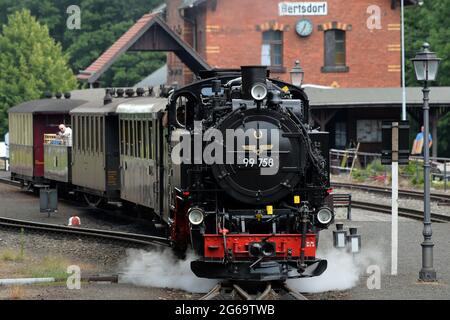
[196, 216]
[324, 215]
[259, 91]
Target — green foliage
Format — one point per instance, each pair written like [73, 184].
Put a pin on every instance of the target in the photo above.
[373, 169]
[31, 62]
[430, 22]
[102, 23]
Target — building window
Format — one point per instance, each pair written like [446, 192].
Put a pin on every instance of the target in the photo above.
[368, 131]
[272, 49]
[340, 135]
[335, 54]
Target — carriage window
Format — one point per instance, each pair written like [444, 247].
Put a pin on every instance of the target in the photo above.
[139, 139]
[89, 137]
[185, 112]
[136, 139]
[78, 132]
[83, 140]
[143, 140]
[126, 137]
[145, 137]
[133, 138]
[93, 135]
[150, 141]
[96, 123]
[121, 135]
[101, 134]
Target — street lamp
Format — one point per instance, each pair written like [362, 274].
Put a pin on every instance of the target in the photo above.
[297, 74]
[426, 65]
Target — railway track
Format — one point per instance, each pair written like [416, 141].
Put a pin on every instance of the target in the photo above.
[440, 197]
[133, 238]
[404, 212]
[235, 291]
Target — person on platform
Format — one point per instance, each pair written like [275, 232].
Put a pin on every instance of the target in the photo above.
[65, 134]
[418, 148]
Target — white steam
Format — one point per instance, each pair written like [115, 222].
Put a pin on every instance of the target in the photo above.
[162, 269]
[343, 272]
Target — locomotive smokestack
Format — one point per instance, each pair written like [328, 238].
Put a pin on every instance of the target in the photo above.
[251, 76]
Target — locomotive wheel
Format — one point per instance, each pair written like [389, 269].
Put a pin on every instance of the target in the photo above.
[92, 201]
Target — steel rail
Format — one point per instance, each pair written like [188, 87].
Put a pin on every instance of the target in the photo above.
[95, 233]
[226, 290]
[404, 212]
[441, 197]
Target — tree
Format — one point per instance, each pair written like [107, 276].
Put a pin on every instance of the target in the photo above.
[102, 23]
[430, 23]
[31, 62]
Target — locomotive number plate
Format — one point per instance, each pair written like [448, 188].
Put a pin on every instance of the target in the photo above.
[265, 162]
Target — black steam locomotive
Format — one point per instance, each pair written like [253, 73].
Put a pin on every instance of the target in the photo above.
[229, 165]
[256, 207]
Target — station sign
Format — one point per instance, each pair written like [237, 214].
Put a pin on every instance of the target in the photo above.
[401, 146]
[303, 8]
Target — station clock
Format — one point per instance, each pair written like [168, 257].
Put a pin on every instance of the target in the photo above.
[304, 27]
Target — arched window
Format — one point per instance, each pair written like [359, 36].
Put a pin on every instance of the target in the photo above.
[272, 49]
[335, 51]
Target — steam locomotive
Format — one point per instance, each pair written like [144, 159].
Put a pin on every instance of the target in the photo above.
[229, 164]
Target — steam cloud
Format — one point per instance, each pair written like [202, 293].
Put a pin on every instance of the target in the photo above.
[343, 272]
[162, 269]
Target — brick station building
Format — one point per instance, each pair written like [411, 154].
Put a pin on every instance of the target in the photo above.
[350, 44]
[343, 45]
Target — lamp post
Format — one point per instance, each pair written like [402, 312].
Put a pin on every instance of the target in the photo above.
[297, 74]
[426, 65]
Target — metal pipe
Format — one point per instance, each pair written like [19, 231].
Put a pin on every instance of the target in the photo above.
[427, 273]
[24, 281]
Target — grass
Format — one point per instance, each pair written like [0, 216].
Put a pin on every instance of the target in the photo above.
[11, 256]
[48, 267]
[374, 168]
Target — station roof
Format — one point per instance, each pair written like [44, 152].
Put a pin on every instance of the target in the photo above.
[47, 106]
[374, 97]
[149, 33]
